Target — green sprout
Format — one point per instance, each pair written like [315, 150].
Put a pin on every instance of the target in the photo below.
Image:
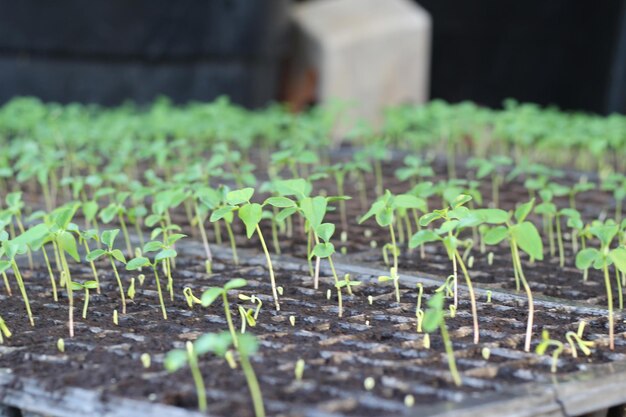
[140, 262]
[434, 319]
[118, 210]
[384, 211]
[602, 259]
[524, 236]
[251, 215]
[210, 295]
[108, 239]
[86, 286]
[576, 338]
[545, 343]
[4, 330]
[455, 218]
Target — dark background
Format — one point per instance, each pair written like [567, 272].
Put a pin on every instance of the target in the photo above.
[571, 53]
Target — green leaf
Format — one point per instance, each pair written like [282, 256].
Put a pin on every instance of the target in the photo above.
[423, 236]
[174, 360]
[314, 210]
[283, 214]
[220, 213]
[496, 235]
[428, 218]
[76, 286]
[586, 257]
[210, 295]
[248, 344]
[384, 217]
[460, 200]
[235, 283]
[376, 207]
[91, 285]
[32, 235]
[90, 209]
[108, 237]
[618, 256]
[108, 214]
[410, 202]
[117, 254]
[280, 202]
[251, 214]
[4, 265]
[527, 237]
[325, 231]
[212, 342]
[95, 254]
[523, 210]
[152, 246]
[434, 314]
[492, 216]
[67, 242]
[237, 197]
[173, 238]
[605, 232]
[164, 254]
[323, 250]
[137, 263]
[447, 226]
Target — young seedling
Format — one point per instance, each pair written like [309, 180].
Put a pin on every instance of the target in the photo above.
[86, 286]
[545, 343]
[118, 210]
[524, 236]
[166, 254]
[140, 262]
[576, 338]
[250, 214]
[602, 259]
[108, 239]
[247, 346]
[493, 167]
[434, 319]
[384, 211]
[455, 218]
[212, 294]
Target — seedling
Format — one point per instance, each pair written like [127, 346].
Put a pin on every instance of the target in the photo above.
[521, 235]
[61, 345]
[545, 343]
[434, 319]
[190, 298]
[576, 338]
[165, 254]
[210, 295]
[86, 286]
[117, 210]
[602, 259]
[145, 360]
[299, 369]
[250, 214]
[384, 211]
[455, 218]
[138, 263]
[115, 318]
[255, 300]
[108, 239]
[247, 318]
[369, 383]
[491, 167]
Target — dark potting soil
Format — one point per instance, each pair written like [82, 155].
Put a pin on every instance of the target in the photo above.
[378, 340]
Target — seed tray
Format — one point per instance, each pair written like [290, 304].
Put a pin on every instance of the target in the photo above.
[377, 340]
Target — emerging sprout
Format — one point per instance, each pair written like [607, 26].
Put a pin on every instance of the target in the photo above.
[210, 295]
[190, 298]
[409, 400]
[61, 345]
[86, 286]
[545, 343]
[292, 320]
[299, 369]
[576, 338]
[433, 319]
[488, 294]
[369, 383]
[486, 353]
[115, 317]
[145, 360]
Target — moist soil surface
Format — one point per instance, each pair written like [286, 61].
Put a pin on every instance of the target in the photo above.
[376, 340]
